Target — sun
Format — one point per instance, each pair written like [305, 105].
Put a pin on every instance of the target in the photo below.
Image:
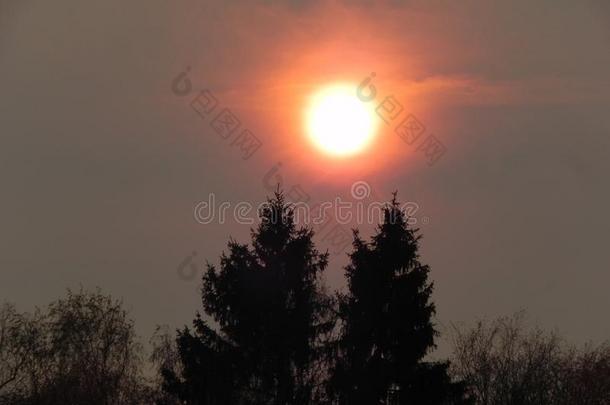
[338, 122]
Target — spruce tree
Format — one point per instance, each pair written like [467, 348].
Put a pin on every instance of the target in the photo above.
[387, 323]
[266, 317]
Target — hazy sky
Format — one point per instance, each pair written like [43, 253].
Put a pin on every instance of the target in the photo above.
[102, 163]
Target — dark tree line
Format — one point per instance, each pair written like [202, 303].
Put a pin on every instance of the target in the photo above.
[271, 334]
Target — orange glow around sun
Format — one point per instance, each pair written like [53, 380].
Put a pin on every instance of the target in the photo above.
[317, 127]
[338, 123]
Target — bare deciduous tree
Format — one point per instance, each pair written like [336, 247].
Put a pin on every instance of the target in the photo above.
[505, 363]
[12, 355]
[82, 350]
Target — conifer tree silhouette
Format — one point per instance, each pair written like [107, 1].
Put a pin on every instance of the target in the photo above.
[386, 319]
[270, 314]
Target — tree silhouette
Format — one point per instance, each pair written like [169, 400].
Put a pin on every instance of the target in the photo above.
[386, 318]
[506, 362]
[83, 350]
[270, 317]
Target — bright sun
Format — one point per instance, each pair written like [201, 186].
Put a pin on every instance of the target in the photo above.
[338, 122]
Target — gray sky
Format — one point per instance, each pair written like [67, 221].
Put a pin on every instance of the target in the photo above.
[102, 164]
